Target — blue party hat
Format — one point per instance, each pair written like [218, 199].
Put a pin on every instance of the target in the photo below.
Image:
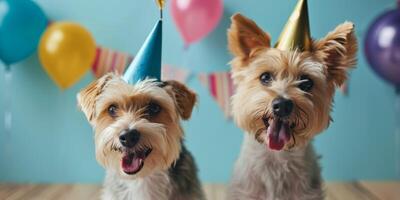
[147, 62]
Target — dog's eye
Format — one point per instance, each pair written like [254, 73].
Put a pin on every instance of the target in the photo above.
[265, 78]
[153, 109]
[112, 110]
[306, 83]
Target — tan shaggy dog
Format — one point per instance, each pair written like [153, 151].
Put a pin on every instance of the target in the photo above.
[283, 99]
[139, 140]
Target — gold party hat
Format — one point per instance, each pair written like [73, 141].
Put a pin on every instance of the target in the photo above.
[296, 34]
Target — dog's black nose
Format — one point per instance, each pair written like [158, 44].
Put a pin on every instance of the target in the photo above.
[282, 107]
[129, 138]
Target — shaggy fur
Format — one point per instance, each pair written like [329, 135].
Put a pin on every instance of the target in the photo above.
[168, 168]
[293, 172]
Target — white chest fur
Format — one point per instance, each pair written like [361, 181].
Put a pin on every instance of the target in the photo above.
[261, 173]
[153, 187]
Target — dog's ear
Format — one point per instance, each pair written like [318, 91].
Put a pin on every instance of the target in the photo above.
[338, 51]
[87, 97]
[185, 98]
[244, 36]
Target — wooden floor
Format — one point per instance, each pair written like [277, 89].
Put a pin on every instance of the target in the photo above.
[335, 191]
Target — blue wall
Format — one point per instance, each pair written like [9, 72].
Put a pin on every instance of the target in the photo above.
[52, 142]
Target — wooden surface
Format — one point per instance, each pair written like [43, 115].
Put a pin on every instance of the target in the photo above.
[335, 191]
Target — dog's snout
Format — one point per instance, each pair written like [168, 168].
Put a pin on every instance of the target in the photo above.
[282, 107]
[129, 138]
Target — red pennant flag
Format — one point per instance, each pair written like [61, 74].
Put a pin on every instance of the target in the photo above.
[221, 88]
[108, 60]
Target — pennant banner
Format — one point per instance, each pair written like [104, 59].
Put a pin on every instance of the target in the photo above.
[221, 88]
[108, 60]
[219, 84]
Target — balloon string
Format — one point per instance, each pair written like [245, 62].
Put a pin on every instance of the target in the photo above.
[161, 13]
[185, 56]
[186, 47]
[397, 133]
[8, 100]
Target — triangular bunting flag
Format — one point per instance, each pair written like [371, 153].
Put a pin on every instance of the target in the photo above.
[221, 88]
[108, 60]
[173, 73]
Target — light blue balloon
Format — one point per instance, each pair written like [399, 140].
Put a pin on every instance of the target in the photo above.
[22, 23]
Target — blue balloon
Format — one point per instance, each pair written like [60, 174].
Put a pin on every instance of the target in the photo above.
[22, 23]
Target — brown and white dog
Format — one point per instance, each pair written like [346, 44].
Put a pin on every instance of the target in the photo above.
[283, 99]
[139, 140]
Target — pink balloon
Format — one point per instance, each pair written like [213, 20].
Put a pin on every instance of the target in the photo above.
[195, 19]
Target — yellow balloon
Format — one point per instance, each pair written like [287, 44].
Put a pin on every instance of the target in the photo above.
[66, 51]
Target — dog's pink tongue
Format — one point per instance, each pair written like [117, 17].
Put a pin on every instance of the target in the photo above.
[278, 134]
[131, 164]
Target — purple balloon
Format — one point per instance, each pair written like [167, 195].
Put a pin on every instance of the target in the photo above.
[382, 46]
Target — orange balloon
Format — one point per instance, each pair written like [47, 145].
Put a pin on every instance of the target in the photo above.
[66, 51]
